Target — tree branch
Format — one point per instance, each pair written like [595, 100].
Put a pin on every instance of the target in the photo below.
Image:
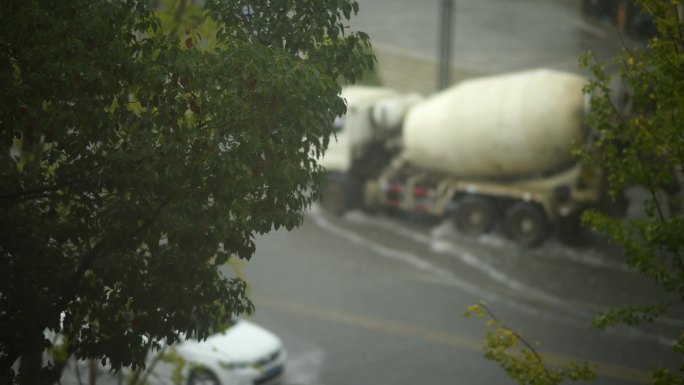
[520, 338]
[178, 16]
[96, 253]
[656, 202]
[39, 191]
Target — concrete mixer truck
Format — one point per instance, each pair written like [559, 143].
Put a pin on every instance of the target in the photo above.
[487, 151]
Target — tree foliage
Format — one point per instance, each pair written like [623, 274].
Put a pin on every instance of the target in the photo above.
[136, 160]
[637, 116]
[519, 358]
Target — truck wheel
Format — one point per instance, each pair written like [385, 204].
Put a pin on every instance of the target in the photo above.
[526, 223]
[475, 215]
[334, 197]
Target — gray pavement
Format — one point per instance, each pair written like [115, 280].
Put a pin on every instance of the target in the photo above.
[489, 36]
[376, 300]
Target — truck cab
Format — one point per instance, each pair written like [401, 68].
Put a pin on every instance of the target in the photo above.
[365, 139]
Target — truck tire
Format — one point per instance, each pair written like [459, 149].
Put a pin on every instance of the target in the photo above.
[526, 224]
[335, 197]
[475, 215]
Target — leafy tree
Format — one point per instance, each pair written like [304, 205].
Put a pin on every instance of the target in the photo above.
[136, 161]
[639, 141]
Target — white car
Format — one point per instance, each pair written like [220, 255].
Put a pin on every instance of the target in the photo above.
[243, 354]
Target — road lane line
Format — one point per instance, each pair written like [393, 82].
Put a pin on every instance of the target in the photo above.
[492, 240]
[447, 275]
[443, 248]
[581, 313]
[430, 335]
[407, 258]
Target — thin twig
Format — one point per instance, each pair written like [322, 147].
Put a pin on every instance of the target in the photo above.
[520, 338]
[155, 361]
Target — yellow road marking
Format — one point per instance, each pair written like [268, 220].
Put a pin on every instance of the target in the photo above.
[430, 335]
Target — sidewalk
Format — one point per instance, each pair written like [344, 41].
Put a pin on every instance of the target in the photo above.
[489, 36]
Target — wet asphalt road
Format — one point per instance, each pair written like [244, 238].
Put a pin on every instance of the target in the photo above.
[370, 299]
